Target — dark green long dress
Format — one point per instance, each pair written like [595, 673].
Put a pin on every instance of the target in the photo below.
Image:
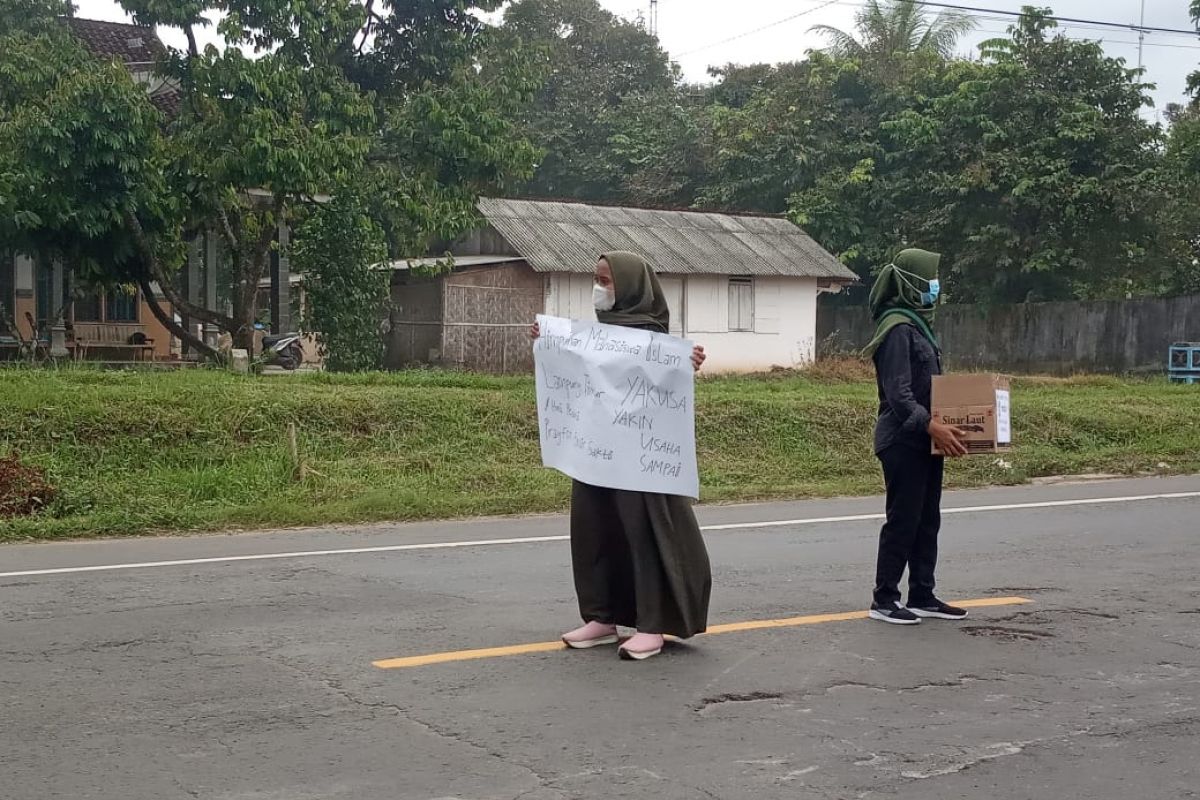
[639, 558]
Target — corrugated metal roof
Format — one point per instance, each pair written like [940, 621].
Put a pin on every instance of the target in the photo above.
[459, 261]
[567, 237]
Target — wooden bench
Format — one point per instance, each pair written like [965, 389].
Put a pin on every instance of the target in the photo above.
[127, 337]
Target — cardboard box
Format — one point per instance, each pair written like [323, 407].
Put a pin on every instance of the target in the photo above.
[979, 406]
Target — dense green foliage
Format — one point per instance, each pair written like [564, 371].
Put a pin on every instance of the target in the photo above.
[608, 94]
[304, 98]
[1033, 168]
[338, 251]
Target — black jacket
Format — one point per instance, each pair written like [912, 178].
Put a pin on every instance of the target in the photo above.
[904, 368]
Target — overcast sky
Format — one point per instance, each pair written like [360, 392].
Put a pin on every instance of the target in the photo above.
[701, 33]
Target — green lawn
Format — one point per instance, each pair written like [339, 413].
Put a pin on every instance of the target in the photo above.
[134, 452]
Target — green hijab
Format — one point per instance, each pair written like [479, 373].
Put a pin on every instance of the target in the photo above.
[640, 299]
[894, 301]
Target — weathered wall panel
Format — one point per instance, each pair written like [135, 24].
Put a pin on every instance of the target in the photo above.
[1057, 338]
[488, 312]
[475, 318]
[416, 322]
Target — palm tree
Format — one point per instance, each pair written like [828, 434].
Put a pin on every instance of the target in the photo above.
[896, 27]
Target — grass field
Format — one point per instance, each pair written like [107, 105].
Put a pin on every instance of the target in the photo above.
[136, 452]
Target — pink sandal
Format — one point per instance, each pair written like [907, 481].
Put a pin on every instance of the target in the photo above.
[593, 634]
[641, 646]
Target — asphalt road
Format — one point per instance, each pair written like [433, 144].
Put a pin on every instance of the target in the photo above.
[253, 679]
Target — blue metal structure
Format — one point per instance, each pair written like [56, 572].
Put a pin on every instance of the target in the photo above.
[1183, 362]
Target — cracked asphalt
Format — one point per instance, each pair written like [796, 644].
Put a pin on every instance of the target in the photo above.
[253, 680]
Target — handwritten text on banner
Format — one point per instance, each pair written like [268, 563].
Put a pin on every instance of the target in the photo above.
[616, 406]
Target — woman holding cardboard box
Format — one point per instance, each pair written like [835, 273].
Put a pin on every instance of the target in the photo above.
[907, 356]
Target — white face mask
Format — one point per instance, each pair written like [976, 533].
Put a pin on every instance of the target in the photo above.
[603, 297]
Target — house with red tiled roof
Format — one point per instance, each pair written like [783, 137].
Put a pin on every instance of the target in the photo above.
[36, 306]
[135, 46]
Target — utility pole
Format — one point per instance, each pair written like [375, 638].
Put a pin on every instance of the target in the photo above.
[1142, 34]
[654, 16]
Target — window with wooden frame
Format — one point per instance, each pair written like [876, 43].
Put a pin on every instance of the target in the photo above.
[121, 306]
[741, 303]
[86, 307]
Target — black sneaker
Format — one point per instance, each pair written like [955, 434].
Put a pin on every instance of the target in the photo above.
[899, 615]
[938, 610]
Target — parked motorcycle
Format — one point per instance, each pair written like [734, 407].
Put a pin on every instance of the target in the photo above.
[284, 351]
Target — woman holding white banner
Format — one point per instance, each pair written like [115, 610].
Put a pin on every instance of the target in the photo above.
[639, 559]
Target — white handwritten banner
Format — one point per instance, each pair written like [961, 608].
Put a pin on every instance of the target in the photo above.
[616, 406]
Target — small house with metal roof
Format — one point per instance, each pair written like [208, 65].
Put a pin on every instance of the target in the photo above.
[745, 287]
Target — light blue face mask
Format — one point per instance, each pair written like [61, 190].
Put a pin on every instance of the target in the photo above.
[928, 297]
[931, 297]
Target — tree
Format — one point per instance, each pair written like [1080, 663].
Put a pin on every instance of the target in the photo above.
[605, 78]
[33, 16]
[1179, 219]
[1181, 177]
[1193, 82]
[387, 96]
[80, 157]
[896, 28]
[1058, 198]
[792, 124]
[339, 249]
[764, 140]
[442, 146]
[1033, 173]
[660, 143]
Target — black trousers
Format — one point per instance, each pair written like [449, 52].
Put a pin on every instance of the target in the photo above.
[914, 517]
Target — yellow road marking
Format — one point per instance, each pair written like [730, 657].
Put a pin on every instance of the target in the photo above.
[731, 627]
[469, 655]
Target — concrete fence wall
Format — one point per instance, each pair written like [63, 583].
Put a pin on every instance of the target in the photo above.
[1049, 338]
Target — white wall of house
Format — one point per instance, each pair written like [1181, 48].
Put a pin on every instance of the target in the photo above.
[569, 295]
[746, 324]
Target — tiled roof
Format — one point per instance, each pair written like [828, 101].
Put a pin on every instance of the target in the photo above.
[133, 44]
[567, 237]
[168, 101]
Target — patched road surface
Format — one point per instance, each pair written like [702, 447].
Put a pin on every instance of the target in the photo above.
[418, 661]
